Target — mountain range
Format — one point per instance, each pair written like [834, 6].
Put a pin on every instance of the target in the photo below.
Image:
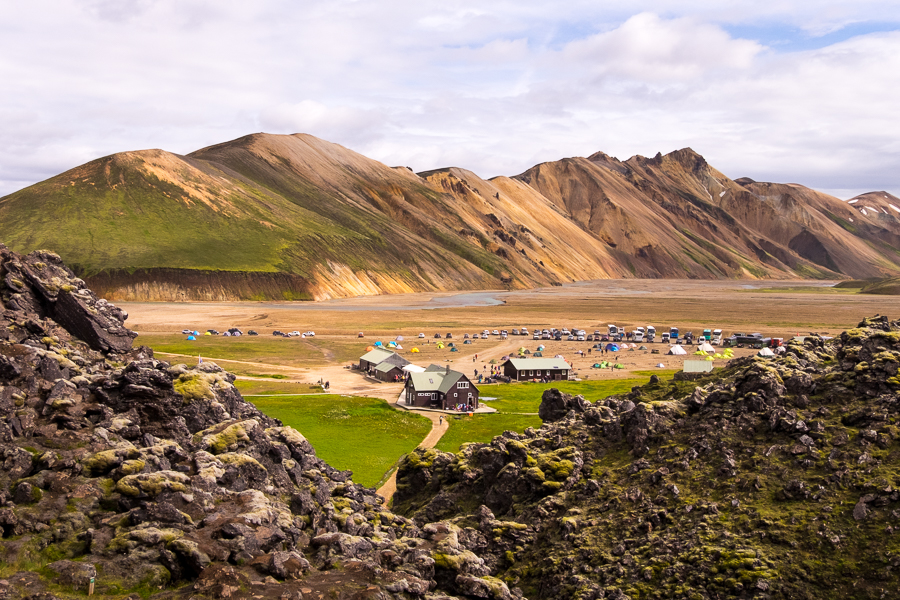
[294, 217]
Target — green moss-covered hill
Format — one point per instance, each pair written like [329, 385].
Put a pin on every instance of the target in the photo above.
[295, 217]
[772, 478]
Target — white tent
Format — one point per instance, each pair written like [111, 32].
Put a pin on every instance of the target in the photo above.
[676, 350]
[399, 338]
[765, 352]
[661, 366]
[398, 347]
[413, 369]
[706, 347]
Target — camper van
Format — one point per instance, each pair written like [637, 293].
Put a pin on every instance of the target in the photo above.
[665, 338]
[717, 337]
[638, 335]
[651, 333]
[673, 334]
[707, 334]
[613, 330]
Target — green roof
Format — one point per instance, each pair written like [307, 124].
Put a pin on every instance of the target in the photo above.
[435, 381]
[385, 366]
[376, 356]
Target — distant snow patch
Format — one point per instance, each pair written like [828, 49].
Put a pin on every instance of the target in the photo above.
[722, 193]
[894, 207]
[863, 211]
[851, 219]
[872, 209]
[854, 201]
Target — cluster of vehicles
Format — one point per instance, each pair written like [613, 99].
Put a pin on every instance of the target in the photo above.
[233, 332]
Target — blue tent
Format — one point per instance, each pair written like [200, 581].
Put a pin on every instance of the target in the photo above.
[378, 344]
[612, 348]
[190, 337]
[196, 333]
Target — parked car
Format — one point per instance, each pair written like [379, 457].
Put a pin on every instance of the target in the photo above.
[187, 331]
[524, 331]
[449, 336]
[570, 338]
[580, 338]
[212, 332]
[421, 335]
[465, 336]
[484, 336]
[360, 334]
[310, 334]
[495, 332]
[515, 331]
[437, 336]
[276, 332]
[294, 334]
[252, 332]
[536, 336]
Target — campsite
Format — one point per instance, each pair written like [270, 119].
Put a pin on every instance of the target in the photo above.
[279, 372]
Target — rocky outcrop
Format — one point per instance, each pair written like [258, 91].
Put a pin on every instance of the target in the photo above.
[159, 478]
[772, 478]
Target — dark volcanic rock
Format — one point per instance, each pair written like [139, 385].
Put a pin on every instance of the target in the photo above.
[146, 475]
[555, 405]
[706, 489]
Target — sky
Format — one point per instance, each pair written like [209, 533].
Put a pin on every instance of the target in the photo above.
[793, 91]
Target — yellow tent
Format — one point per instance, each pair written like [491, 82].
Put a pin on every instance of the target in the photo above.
[414, 350]
[207, 333]
[440, 345]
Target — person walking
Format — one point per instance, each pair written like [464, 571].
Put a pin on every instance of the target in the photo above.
[441, 420]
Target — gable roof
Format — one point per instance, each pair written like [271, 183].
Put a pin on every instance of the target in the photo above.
[433, 368]
[527, 364]
[435, 381]
[376, 356]
[386, 367]
[379, 356]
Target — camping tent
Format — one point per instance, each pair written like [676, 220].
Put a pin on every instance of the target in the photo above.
[411, 368]
[378, 344]
[597, 366]
[414, 350]
[677, 350]
[454, 349]
[661, 366]
[541, 347]
[612, 348]
[392, 344]
[440, 346]
[190, 337]
[399, 347]
[369, 348]
[527, 351]
[207, 333]
[197, 333]
[642, 348]
[559, 356]
[538, 354]
[467, 342]
[765, 352]
[706, 347]
[399, 338]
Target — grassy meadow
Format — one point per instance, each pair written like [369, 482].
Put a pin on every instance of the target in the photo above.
[518, 403]
[364, 435]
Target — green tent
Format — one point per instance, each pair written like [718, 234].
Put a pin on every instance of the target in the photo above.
[538, 354]
[454, 349]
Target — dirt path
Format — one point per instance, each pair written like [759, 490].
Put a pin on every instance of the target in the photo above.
[438, 429]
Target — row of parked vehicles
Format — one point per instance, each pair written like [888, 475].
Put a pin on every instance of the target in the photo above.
[235, 332]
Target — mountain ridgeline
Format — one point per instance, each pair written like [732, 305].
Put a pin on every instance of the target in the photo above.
[293, 217]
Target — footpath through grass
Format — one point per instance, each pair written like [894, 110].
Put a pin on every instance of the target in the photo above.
[518, 403]
[364, 435]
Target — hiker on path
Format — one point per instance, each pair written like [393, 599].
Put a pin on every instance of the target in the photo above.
[441, 420]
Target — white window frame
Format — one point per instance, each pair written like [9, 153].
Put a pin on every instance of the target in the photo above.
[462, 385]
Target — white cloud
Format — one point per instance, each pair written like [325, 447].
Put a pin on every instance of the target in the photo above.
[492, 87]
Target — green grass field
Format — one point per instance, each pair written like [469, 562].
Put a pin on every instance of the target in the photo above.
[518, 404]
[252, 388]
[483, 428]
[364, 435]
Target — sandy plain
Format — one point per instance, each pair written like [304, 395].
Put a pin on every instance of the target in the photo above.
[778, 309]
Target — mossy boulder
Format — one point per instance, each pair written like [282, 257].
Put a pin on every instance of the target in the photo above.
[153, 484]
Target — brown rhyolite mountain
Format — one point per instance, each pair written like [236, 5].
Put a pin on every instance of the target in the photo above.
[295, 217]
